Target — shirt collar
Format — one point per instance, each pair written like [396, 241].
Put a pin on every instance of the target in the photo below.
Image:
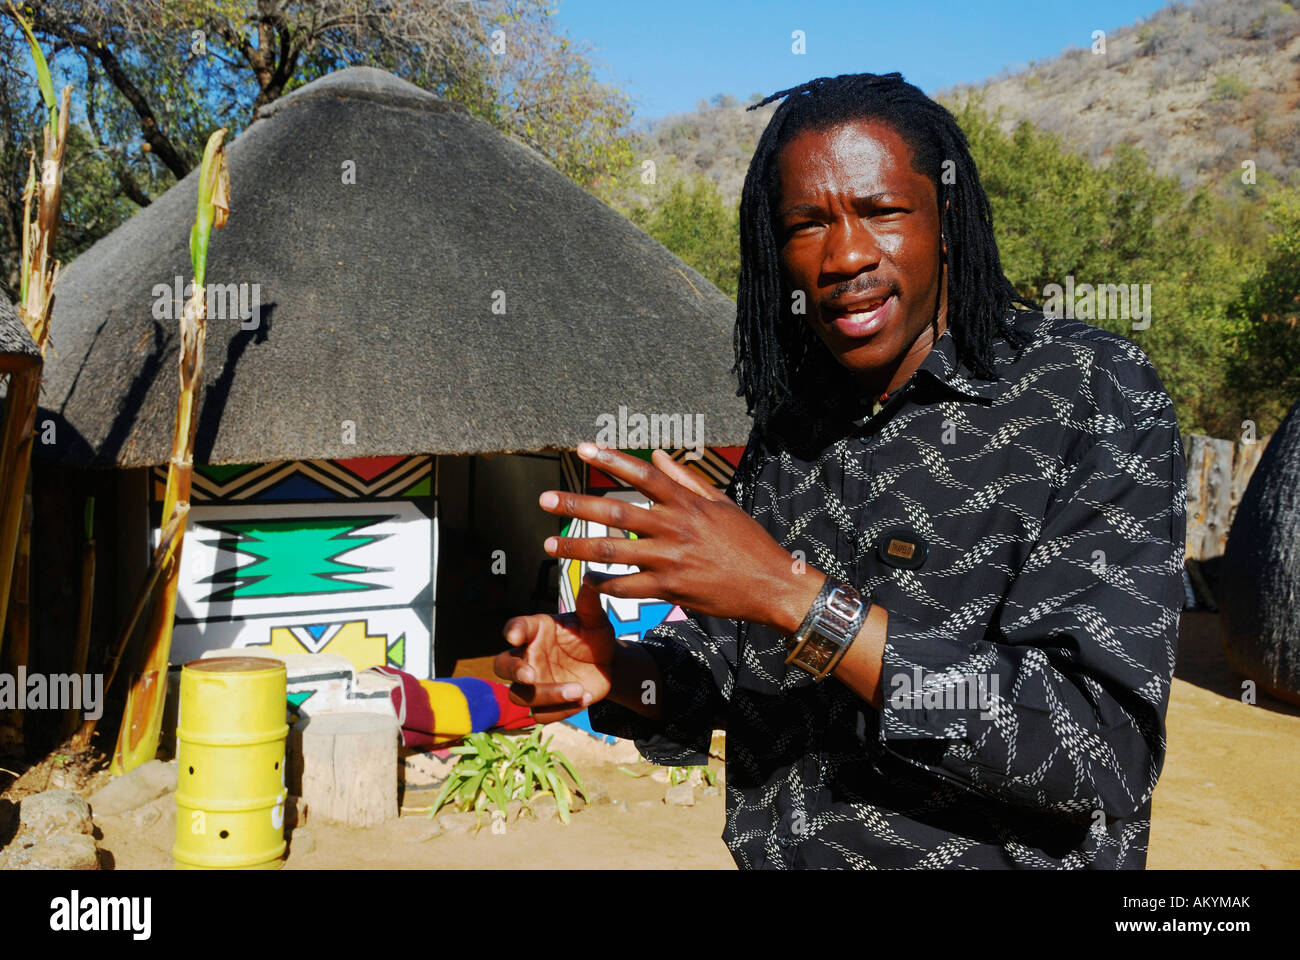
[940, 368]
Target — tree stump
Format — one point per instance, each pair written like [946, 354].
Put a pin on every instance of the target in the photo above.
[1260, 588]
[346, 765]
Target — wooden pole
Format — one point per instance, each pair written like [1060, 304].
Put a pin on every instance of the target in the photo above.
[81, 653]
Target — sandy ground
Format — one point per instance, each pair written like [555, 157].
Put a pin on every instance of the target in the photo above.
[1225, 800]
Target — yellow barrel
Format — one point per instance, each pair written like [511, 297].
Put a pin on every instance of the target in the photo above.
[231, 789]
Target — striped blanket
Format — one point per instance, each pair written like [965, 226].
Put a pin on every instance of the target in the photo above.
[438, 712]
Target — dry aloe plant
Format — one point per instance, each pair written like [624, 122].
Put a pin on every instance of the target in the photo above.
[137, 740]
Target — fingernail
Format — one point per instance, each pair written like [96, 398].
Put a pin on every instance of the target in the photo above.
[571, 691]
[587, 450]
[586, 699]
[526, 674]
[549, 500]
[551, 544]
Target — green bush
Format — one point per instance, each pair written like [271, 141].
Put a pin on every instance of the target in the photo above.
[1229, 86]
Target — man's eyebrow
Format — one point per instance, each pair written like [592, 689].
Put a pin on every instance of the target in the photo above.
[809, 209]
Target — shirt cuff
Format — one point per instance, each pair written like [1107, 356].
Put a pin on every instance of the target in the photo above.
[689, 705]
[653, 741]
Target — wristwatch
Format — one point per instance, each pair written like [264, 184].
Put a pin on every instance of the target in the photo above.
[832, 622]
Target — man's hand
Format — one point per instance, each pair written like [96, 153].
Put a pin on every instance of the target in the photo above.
[695, 547]
[559, 665]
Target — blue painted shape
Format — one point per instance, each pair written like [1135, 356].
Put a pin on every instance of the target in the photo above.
[317, 630]
[649, 616]
[298, 487]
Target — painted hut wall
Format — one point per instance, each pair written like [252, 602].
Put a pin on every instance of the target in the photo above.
[319, 556]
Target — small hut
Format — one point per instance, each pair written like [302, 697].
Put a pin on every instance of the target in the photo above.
[17, 349]
[412, 317]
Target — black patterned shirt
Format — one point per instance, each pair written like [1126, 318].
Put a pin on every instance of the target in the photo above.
[1028, 657]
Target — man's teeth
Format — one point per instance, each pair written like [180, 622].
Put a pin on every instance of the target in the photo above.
[868, 310]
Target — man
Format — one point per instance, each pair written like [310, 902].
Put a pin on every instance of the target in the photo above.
[938, 621]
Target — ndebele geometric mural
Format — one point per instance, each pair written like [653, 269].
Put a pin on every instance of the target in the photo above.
[321, 556]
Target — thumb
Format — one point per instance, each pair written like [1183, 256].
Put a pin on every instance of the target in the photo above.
[587, 605]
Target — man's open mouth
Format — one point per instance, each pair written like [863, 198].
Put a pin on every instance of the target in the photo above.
[860, 319]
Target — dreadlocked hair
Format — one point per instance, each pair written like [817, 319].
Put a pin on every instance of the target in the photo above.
[773, 346]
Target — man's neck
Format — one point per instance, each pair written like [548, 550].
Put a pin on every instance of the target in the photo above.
[883, 383]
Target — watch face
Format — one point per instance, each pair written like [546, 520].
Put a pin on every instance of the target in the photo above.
[817, 653]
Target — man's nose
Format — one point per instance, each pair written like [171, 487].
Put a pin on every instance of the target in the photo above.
[850, 248]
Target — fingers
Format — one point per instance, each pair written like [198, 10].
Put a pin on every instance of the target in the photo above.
[685, 476]
[521, 631]
[549, 696]
[610, 511]
[641, 475]
[604, 550]
[637, 586]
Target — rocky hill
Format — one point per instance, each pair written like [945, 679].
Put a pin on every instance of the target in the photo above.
[1200, 87]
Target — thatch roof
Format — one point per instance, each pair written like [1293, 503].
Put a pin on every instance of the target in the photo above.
[377, 300]
[17, 349]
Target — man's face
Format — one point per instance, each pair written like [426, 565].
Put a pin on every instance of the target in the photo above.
[858, 230]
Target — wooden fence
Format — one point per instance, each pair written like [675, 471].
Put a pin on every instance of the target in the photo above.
[1217, 474]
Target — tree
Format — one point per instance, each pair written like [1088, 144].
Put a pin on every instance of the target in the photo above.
[692, 221]
[1267, 371]
[1057, 216]
[158, 76]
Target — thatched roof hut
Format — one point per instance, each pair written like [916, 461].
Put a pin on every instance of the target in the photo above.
[397, 280]
[17, 349]
[406, 268]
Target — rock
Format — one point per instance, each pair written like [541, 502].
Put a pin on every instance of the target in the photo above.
[52, 813]
[682, 795]
[545, 809]
[431, 831]
[660, 775]
[135, 788]
[710, 791]
[145, 816]
[457, 822]
[68, 852]
[301, 841]
[64, 778]
[512, 810]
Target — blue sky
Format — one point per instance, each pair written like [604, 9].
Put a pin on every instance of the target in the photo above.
[667, 54]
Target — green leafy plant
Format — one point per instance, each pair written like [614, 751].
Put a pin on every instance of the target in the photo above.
[678, 775]
[492, 768]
